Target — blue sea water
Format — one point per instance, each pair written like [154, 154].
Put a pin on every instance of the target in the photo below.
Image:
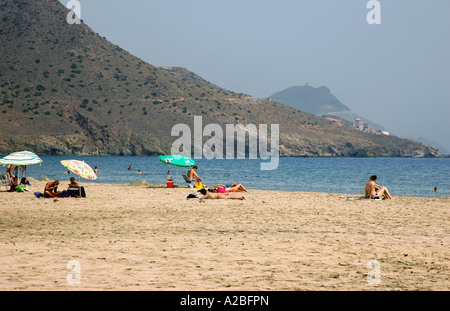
[402, 176]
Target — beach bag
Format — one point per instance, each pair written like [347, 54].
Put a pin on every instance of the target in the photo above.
[20, 188]
[75, 192]
[38, 194]
[198, 184]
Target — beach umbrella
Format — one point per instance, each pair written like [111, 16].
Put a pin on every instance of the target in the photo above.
[177, 160]
[21, 158]
[81, 169]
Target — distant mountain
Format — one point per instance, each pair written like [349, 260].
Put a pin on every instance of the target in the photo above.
[64, 89]
[434, 144]
[319, 101]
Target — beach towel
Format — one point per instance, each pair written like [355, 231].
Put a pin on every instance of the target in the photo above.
[355, 198]
[361, 198]
[38, 194]
[61, 195]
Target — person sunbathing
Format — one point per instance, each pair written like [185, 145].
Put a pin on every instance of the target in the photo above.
[233, 187]
[208, 195]
[374, 191]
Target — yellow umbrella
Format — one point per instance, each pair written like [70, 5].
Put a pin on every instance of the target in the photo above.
[80, 168]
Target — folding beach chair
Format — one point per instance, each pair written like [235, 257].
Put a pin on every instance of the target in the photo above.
[189, 181]
[4, 180]
[193, 183]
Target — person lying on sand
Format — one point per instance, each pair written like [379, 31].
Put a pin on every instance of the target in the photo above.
[233, 187]
[374, 191]
[209, 195]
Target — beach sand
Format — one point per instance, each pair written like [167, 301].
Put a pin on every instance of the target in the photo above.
[140, 237]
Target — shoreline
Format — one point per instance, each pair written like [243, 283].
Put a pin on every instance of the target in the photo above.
[144, 183]
[134, 237]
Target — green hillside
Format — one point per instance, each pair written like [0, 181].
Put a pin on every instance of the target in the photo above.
[66, 90]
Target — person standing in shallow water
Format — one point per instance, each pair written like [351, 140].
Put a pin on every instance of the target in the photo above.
[374, 191]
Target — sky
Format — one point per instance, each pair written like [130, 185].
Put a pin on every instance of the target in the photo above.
[395, 73]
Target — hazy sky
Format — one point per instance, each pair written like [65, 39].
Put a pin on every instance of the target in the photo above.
[396, 74]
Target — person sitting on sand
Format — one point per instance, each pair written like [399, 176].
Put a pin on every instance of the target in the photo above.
[14, 184]
[51, 189]
[374, 191]
[208, 195]
[24, 181]
[73, 183]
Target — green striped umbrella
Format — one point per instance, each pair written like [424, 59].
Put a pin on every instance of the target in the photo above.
[21, 158]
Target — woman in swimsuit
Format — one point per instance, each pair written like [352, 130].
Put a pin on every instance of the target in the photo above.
[209, 195]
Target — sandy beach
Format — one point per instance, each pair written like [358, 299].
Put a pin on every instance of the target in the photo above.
[143, 237]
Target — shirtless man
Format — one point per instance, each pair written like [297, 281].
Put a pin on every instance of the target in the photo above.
[51, 189]
[73, 183]
[374, 191]
[191, 174]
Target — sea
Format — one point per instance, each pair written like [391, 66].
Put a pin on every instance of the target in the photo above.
[402, 176]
